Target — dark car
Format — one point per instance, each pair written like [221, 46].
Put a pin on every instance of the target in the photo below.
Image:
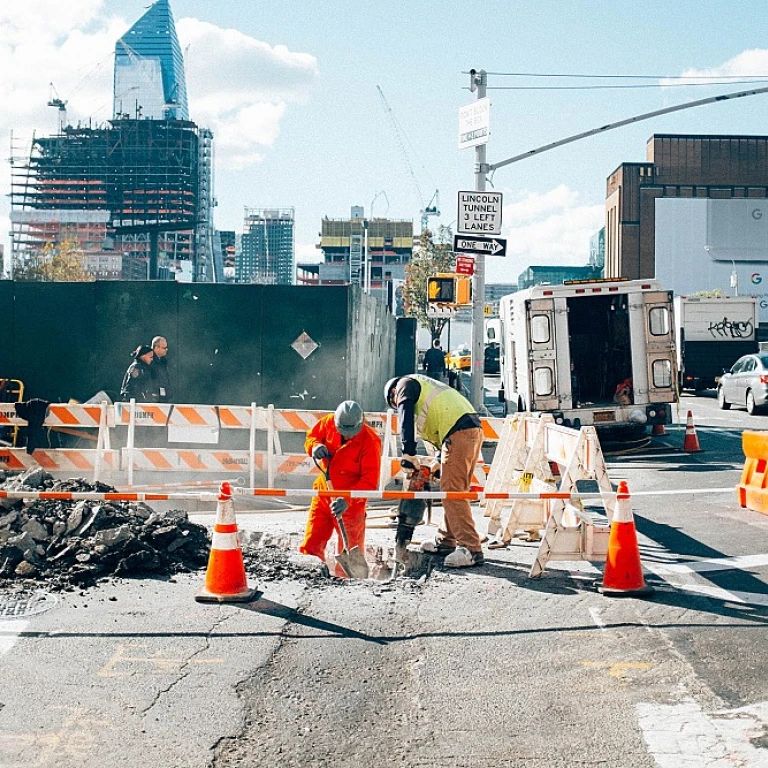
[491, 363]
[746, 384]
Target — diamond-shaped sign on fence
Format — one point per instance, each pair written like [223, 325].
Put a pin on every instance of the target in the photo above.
[305, 345]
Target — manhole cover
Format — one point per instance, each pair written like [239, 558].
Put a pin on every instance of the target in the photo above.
[20, 606]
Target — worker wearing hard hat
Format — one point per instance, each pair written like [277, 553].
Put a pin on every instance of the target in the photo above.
[442, 417]
[350, 451]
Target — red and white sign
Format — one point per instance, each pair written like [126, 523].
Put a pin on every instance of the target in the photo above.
[465, 265]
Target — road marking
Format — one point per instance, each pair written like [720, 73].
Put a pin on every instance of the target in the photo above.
[682, 735]
[9, 633]
[157, 662]
[618, 668]
[740, 562]
[595, 614]
[731, 596]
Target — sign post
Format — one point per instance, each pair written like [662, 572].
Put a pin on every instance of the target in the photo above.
[477, 136]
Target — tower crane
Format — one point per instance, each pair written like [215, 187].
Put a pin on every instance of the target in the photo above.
[433, 207]
[55, 101]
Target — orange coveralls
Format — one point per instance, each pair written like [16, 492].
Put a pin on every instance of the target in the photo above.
[355, 466]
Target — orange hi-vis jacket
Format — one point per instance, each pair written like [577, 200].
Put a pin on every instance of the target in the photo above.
[356, 465]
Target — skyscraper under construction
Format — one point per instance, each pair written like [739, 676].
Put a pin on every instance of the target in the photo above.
[138, 186]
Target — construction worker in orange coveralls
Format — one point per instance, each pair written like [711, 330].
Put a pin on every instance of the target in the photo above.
[351, 452]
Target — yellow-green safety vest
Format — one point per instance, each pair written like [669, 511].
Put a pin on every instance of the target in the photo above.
[438, 409]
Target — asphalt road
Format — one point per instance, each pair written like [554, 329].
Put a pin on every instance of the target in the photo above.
[483, 667]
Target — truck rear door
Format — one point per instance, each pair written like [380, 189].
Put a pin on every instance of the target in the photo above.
[660, 355]
[542, 355]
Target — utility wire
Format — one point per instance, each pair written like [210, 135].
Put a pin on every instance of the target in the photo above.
[617, 77]
[612, 87]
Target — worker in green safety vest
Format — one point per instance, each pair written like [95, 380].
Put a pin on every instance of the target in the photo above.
[441, 416]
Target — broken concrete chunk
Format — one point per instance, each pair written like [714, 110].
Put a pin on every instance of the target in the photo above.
[35, 529]
[110, 537]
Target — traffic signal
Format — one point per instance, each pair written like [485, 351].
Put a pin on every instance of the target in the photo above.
[441, 289]
[463, 290]
[454, 290]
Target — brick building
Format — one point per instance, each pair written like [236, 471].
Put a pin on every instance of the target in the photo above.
[689, 168]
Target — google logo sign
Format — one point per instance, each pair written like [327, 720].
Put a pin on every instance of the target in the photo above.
[756, 278]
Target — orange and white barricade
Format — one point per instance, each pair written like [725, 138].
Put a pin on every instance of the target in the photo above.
[68, 418]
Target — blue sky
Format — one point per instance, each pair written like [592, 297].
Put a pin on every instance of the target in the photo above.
[290, 90]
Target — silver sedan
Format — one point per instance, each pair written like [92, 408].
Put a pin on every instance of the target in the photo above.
[745, 384]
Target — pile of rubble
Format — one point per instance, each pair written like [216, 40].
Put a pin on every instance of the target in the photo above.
[68, 543]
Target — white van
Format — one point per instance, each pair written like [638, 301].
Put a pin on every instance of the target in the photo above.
[598, 352]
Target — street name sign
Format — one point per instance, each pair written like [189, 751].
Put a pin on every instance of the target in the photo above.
[465, 265]
[479, 213]
[489, 246]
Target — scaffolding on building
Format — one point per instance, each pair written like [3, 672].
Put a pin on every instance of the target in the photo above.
[141, 188]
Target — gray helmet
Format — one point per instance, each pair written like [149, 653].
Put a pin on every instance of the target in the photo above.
[388, 389]
[348, 418]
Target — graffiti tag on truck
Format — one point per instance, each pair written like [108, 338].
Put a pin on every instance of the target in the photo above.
[734, 329]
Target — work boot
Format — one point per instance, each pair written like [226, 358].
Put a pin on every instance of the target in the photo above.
[435, 547]
[463, 558]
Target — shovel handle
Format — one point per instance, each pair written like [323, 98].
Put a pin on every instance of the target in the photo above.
[327, 477]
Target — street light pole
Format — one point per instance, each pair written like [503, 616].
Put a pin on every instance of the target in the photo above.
[479, 82]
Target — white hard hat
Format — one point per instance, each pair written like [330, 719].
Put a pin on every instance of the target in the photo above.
[348, 418]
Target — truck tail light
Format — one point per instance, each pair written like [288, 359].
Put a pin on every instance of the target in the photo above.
[764, 378]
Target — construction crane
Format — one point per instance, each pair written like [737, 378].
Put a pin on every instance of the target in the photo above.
[55, 101]
[433, 207]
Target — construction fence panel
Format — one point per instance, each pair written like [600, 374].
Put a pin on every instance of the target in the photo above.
[203, 425]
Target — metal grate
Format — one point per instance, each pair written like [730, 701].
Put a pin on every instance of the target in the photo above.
[23, 605]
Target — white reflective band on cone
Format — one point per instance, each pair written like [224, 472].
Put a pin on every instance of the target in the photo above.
[623, 512]
[226, 512]
[224, 541]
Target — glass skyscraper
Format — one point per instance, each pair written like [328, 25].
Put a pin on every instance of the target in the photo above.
[149, 69]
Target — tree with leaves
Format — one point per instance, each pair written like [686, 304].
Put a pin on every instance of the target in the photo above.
[54, 262]
[432, 256]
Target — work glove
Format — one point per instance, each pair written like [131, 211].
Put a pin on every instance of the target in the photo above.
[339, 507]
[409, 463]
[320, 452]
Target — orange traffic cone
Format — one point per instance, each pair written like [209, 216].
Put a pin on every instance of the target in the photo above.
[225, 580]
[658, 429]
[623, 576]
[691, 442]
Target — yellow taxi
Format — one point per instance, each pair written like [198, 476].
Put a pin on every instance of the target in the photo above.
[459, 360]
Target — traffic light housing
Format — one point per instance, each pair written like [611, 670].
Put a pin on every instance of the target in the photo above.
[454, 290]
[441, 289]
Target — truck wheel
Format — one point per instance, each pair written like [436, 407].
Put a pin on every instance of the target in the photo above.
[721, 401]
[752, 409]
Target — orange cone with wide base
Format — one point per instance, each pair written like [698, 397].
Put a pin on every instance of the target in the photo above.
[225, 580]
[691, 442]
[658, 429]
[623, 576]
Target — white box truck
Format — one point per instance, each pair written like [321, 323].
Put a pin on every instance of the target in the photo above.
[596, 353]
[712, 333]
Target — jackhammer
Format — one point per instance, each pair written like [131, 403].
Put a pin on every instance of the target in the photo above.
[410, 512]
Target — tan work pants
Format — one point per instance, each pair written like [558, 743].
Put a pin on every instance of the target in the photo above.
[458, 459]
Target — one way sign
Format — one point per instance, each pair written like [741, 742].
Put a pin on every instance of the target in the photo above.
[490, 246]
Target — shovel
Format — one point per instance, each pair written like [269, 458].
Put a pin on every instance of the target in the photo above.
[351, 560]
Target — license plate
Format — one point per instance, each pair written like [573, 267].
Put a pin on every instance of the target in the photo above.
[602, 416]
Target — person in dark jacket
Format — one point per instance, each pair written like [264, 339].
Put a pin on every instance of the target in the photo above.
[161, 380]
[137, 382]
[434, 361]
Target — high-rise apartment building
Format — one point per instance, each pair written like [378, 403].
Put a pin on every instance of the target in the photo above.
[267, 248]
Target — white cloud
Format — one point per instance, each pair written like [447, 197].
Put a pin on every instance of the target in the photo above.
[745, 64]
[244, 97]
[553, 228]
